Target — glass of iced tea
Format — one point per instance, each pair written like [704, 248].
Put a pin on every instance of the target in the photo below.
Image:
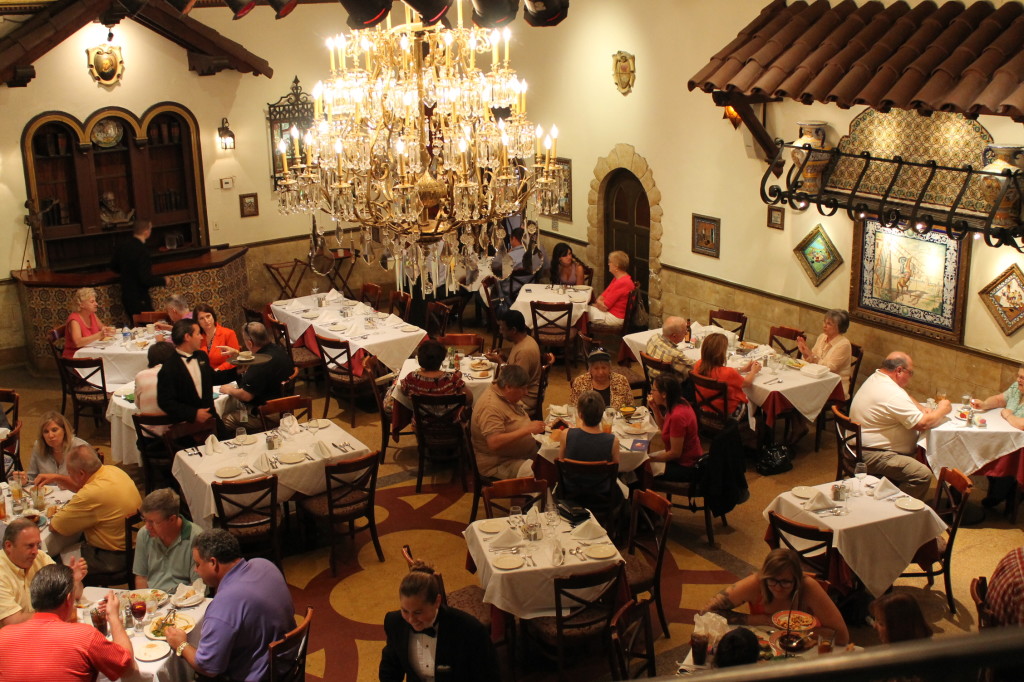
[826, 637]
[99, 620]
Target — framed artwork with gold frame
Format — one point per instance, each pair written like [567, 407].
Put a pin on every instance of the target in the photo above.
[249, 205]
[707, 235]
[1004, 298]
[818, 255]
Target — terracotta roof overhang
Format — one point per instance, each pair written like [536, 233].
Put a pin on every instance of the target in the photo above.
[967, 59]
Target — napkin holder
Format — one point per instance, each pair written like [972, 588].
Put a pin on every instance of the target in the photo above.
[573, 513]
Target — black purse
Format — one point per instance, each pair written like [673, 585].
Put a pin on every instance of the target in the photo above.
[774, 459]
[573, 513]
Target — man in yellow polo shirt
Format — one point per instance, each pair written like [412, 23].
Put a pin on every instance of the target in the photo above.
[106, 495]
[19, 562]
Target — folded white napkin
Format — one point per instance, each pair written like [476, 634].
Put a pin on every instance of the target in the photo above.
[187, 595]
[557, 553]
[885, 488]
[354, 329]
[333, 295]
[263, 463]
[813, 370]
[588, 530]
[819, 501]
[321, 450]
[362, 309]
[212, 444]
[507, 538]
[533, 516]
[4, 432]
[290, 426]
[394, 321]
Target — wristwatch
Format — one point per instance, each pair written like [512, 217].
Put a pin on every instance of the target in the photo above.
[181, 647]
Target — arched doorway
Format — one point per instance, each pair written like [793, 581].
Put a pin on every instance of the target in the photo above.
[627, 225]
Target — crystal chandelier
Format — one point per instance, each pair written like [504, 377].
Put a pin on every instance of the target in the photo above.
[423, 150]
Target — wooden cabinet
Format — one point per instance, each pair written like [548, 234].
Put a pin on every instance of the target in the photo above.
[88, 183]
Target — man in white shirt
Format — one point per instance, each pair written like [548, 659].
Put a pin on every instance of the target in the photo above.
[891, 421]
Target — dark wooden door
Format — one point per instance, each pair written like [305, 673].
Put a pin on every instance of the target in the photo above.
[627, 221]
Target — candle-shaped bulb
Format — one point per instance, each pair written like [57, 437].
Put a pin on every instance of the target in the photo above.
[506, 34]
[554, 132]
[308, 139]
[405, 43]
[539, 132]
[463, 146]
[547, 142]
[337, 146]
[294, 132]
[282, 146]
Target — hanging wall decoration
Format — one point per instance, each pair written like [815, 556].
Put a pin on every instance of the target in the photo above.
[105, 63]
[707, 235]
[818, 255]
[624, 71]
[1004, 298]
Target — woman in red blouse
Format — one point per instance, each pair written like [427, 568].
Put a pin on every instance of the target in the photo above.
[82, 326]
[712, 366]
[610, 306]
[214, 335]
[678, 424]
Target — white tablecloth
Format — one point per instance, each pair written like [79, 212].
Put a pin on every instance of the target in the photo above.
[476, 385]
[196, 473]
[383, 338]
[170, 668]
[123, 448]
[578, 296]
[528, 592]
[877, 539]
[52, 543]
[629, 459]
[121, 362]
[952, 444]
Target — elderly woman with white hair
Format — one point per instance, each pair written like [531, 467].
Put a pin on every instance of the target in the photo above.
[831, 348]
[83, 326]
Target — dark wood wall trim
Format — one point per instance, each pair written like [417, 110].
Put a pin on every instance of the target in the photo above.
[564, 238]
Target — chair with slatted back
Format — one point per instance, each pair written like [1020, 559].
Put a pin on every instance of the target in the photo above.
[249, 511]
[370, 294]
[849, 446]
[288, 276]
[10, 405]
[252, 315]
[87, 388]
[816, 546]
[271, 411]
[400, 305]
[649, 523]
[441, 434]
[979, 594]
[288, 654]
[437, 319]
[55, 341]
[951, 495]
[736, 322]
[712, 403]
[553, 329]
[157, 457]
[351, 486]
[652, 368]
[10, 447]
[547, 361]
[627, 327]
[593, 485]
[149, 317]
[784, 339]
[496, 304]
[466, 344]
[288, 385]
[480, 481]
[457, 306]
[523, 492]
[125, 576]
[381, 379]
[821, 423]
[588, 275]
[584, 605]
[469, 599]
[336, 356]
[633, 641]
[302, 358]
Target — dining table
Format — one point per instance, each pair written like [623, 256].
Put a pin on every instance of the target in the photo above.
[166, 668]
[997, 449]
[877, 538]
[298, 464]
[526, 590]
[579, 296]
[386, 336]
[122, 359]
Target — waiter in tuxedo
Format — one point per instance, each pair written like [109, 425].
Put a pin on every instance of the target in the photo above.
[131, 260]
[428, 642]
[185, 383]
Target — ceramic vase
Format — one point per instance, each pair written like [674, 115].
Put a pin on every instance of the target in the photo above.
[812, 133]
[1002, 157]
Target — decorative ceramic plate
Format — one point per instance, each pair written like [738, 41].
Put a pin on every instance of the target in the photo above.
[292, 457]
[909, 503]
[182, 621]
[107, 133]
[492, 526]
[600, 551]
[150, 651]
[804, 492]
[507, 562]
[227, 472]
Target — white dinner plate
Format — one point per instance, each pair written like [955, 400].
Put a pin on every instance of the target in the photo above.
[311, 315]
[320, 423]
[160, 596]
[188, 602]
[182, 621]
[480, 365]
[634, 429]
[339, 327]
[150, 651]
[227, 472]
[292, 457]
[247, 439]
[410, 328]
[481, 375]
[600, 551]
[492, 525]
[349, 302]
[804, 492]
[507, 562]
[909, 503]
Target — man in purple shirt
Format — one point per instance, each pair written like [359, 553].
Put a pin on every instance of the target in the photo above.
[253, 608]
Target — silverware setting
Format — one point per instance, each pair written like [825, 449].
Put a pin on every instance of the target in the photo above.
[578, 553]
[346, 447]
[309, 457]
[247, 470]
[529, 560]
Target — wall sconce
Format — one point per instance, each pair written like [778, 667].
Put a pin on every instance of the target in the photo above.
[732, 116]
[224, 134]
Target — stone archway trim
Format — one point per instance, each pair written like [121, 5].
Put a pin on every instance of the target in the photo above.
[624, 156]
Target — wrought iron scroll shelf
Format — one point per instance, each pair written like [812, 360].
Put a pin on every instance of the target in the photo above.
[294, 109]
[904, 212]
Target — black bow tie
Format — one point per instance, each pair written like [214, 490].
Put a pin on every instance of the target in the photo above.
[429, 632]
[186, 358]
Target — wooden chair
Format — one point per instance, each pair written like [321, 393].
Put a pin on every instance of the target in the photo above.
[628, 327]
[55, 340]
[440, 431]
[288, 276]
[249, 511]
[437, 319]
[271, 411]
[253, 315]
[87, 387]
[594, 486]
[469, 599]
[821, 423]
[584, 606]
[336, 359]
[457, 305]
[784, 339]
[288, 654]
[979, 593]
[381, 378]
[288, 385]
[524, 492]
[588, 275]
[467, 344]
[157, 458]
[148, 317]
[351, 488]
[652, 368]
[643, 571]
[849, 446]
[370, 294]
[480, 482]
[712, 399]
[132, 523]
[11, 447]
[303, 358]
[737, 321]
[951, 497]
[400, 304]
[816, 546]
[492, 294]
[10, 405]
[552, 328]
[632, 641]
[547, 360]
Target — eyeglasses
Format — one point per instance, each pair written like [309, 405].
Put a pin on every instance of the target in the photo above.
[910, 372]
[775, 582]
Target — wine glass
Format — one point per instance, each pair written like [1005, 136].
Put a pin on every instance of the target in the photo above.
[860, 471]
[287, 424]
[551, 517]
[515, 515]
[240, 435]
[139, 613]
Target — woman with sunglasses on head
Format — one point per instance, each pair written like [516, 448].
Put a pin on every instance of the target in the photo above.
[780, 585]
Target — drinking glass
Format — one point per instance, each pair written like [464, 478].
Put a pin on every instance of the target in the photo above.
[965, 400]
[99, 620]
[139, 613]
[941, 394]
[551, 517]
[240, 434]
[313, 425]
[150, 609]
[287, 424]
[515, 515]
[860, 472]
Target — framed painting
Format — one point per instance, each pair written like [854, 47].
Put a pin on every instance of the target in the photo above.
[818, 255]
[561, 168]
[776, 217]
[248, 205]
[909, 281]
[707, 235]
[1004, 298]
